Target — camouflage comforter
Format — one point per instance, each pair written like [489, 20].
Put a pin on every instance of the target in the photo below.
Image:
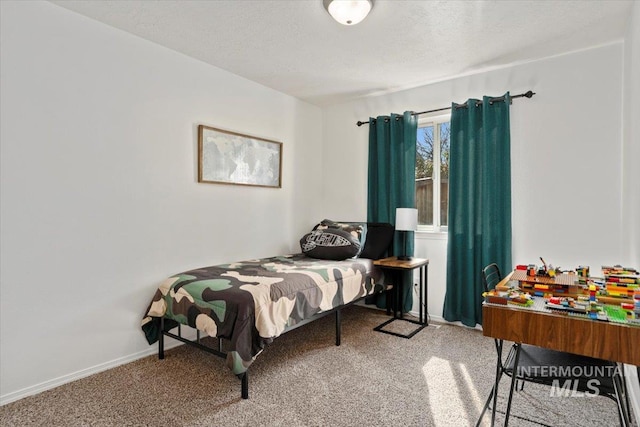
[250, 303]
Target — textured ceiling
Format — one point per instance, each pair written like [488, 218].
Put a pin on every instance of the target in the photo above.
[295, 47]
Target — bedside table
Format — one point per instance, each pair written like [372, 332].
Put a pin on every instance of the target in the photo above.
[392, 266]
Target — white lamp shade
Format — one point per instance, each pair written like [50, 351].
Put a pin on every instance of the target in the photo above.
[348, 12]
[406, 219]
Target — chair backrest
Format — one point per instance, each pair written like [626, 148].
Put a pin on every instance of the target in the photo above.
[491, 276]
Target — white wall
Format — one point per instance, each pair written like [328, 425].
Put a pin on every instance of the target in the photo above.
[99, 199]
[566, 158]
[631, 154]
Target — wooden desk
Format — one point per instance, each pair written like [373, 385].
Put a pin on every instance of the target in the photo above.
[611, 341]
[603, 340]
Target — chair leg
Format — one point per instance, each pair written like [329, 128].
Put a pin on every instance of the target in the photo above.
[619, 389]
[625, 393]
[499, 371]
[486, 406]
[494, 390]
[514, 374]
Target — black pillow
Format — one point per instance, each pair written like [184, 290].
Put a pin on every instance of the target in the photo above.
[330, 243]
[379, 240]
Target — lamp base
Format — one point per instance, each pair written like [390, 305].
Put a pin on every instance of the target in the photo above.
[404, 258]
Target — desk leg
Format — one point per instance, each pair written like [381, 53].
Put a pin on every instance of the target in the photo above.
[514, 374]
[399, 277]
[424, 290]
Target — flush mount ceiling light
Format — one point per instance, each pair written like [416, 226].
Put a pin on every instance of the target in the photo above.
[348, 12]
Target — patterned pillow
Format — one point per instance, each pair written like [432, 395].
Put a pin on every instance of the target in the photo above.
[357, 229]
[331, 243]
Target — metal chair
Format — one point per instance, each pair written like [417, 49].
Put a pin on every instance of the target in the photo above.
[567, 372]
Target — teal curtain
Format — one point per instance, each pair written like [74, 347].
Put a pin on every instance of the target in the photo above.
[392, 180]
[479, 203]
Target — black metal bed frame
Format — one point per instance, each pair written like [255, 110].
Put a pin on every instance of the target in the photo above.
[244, 378]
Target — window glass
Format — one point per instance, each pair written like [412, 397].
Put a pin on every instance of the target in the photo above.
[432, 173]
[445, 136]
[424, 175]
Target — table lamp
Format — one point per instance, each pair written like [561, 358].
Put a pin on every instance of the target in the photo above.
[406, 220]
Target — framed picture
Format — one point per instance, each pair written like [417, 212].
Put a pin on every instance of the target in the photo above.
[226, 157]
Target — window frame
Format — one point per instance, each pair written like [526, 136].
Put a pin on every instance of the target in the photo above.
[435, 120]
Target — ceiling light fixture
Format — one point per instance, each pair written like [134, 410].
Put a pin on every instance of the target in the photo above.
[348, 12]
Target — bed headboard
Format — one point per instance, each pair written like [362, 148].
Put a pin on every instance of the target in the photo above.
[379, 241]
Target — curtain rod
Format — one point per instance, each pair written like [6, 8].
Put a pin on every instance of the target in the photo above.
[527, 94]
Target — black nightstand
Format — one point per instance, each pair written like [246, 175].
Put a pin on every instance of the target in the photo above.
[392, 267]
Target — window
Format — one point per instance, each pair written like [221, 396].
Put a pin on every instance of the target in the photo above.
[432, 173]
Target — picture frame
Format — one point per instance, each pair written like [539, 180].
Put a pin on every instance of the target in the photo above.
[226, 157]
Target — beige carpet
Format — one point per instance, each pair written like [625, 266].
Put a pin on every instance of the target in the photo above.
[440, 377]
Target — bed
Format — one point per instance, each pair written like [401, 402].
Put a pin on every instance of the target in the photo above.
[250, 303]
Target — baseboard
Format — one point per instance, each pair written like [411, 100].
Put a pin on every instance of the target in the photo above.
[432, 318]
[56, 382]
[633, 388]
[440, 319]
